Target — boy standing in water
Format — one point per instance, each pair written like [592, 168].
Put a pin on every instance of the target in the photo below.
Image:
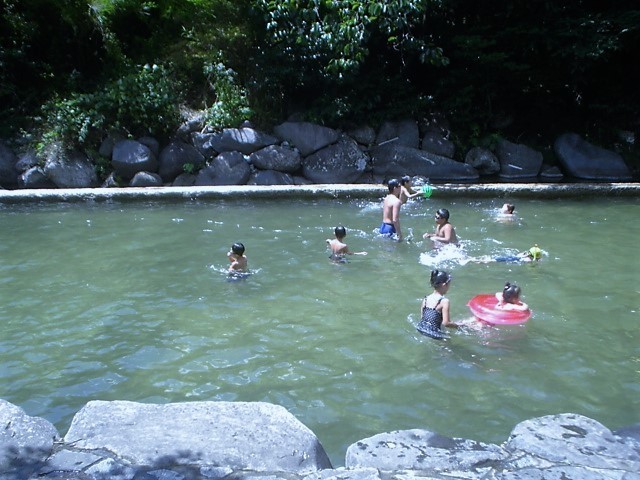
[338, 248]
[237, 258]
[391, 211]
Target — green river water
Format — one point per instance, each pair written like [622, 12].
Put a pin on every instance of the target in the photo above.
[121, 301]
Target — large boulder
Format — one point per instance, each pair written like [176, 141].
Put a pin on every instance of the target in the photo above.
[130, 157]
[175, 156]
[256, 436]
[35, 177]
[421, 450]
[554, 447]
[276, 157]
[69, 169]
[270, 177]
[342, 162]
[405, 133]
[27, 160]
[364, 135]
[436, 143]
[306, 137]
[579, 446]
[184, 180]
[106, 147]
[25, 442]
[583, 160]
[152, 144]
[244, 140]
[393, 160]
[146, 179]
[228, 168]
[518, 161]
[8, 172]
[483, 160]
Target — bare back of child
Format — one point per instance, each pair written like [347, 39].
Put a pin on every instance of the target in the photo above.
[339, 249]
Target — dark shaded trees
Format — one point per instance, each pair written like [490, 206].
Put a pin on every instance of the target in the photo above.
[522, 68]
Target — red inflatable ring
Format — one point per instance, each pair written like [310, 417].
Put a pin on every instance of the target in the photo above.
[483, 306]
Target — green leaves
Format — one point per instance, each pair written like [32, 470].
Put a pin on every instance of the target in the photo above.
[336, 35]
[143, 102]
[231, 106]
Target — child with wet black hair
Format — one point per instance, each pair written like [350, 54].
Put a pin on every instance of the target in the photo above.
[406, 189]
[338, 248]
[509, 298]
[434, 311]
[237, 258]
[508, 209]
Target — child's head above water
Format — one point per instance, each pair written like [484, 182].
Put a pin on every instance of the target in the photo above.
[238, 248]
[439, 278]
[511, 293]
[443, 213]
[340, 232]
[535, 252]
[404, 180]
[393, 184]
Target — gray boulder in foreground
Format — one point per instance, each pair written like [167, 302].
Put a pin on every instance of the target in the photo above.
[259, 441]
[574, 442]
[563, 446]
[421, 450]
[25, 442]
[238, 435]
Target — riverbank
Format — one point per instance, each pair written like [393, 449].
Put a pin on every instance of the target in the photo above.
[368, 191]
[251, 440]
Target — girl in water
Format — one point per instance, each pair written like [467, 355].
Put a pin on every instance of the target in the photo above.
[509, 298]
[434, 311]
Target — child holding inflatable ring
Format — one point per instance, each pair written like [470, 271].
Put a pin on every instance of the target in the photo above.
[509, 298]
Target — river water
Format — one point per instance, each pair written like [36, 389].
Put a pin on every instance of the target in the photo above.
[120, 301]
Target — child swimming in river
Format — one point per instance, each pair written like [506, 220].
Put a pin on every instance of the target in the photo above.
[508, 209]
[236, 256]
[338, 248]
[434, 310]
[509, 298]
[534, 254]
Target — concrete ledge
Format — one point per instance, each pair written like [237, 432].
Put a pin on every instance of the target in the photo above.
[448, 190]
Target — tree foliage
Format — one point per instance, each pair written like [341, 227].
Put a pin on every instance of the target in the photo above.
[516, 68]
